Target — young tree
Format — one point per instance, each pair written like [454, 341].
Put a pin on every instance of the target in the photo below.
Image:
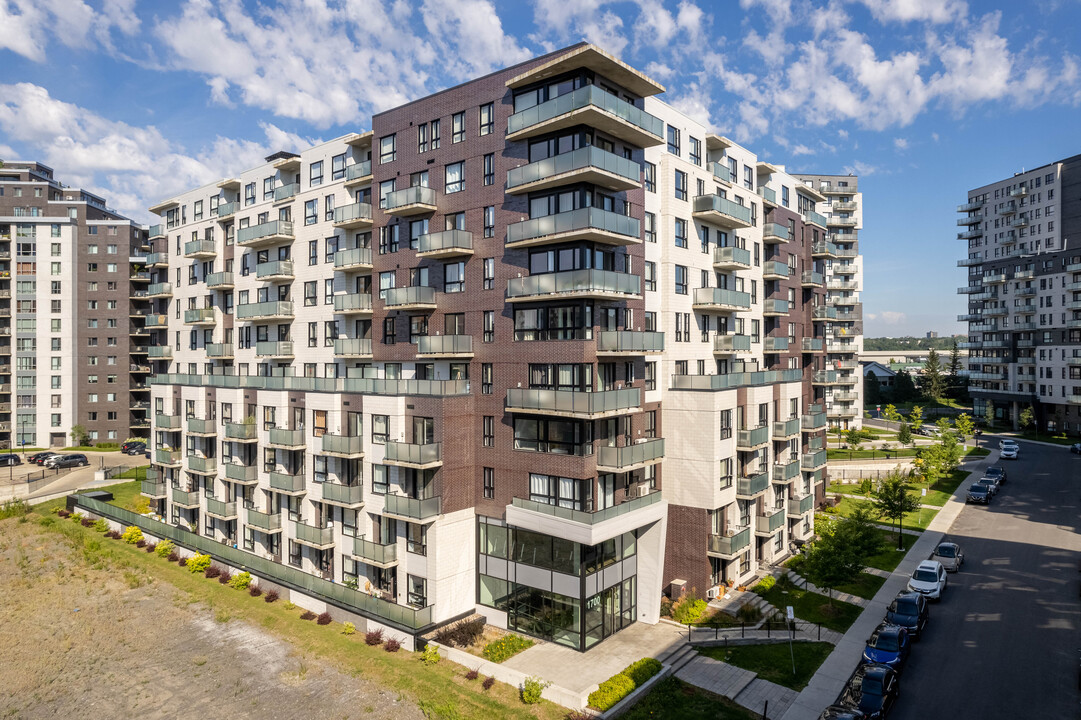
[830, 562]
[79, 435]
[915, 418]
[894, 501]
[854, 438]
[1027, 418]
[940, 459]
[964, 425]
[904, 435]
[891, 414]
[943, 425]
[989, 413]
[954, 368]
[932, 383]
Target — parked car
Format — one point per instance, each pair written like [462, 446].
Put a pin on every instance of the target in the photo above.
[66, 461]
[949, 555]
[888, 645]
[133, 448]
[872, 690]
[840, 712]
[1003, 444]
[928, 579]
[998, 472]
[1009, 453]
[979, 494]
[131, 444]
[908, 610]
[9, 459]
[1076, 448]
[40, 457]
[991, 483]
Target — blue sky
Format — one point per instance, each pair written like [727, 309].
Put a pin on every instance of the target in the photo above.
[139, 99]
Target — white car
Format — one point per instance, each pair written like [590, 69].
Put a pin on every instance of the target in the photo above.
[1009, 452]
[1003, 444]
[928, 579]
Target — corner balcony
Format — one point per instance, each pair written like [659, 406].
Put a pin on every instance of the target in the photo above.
[571, 404]
[824, 377]
[185, 499]
[798, 507]
[786, 472]
[159, 290]
[201, 427]
[721, 211]
[226, 210]
[775, 234]
[200, 316]
[353, 348]
[970, 220]
[268, 233]
[265, 522]
[156, 231]
[416, 456]
[220, 351]
[769, 522]
[812, 345]
[813, 461]
[359, 173]
[775, 345]
[446, 244]
[823, 249]
[416, 200]
[731, 258]
[970, 206]
[154, 490]
[846, 348]
[349, 496]
[220, 281]
[353, 260]
[287, 439]
[321, 538]
[730, 545]
[242, 474]
[585, 165]
[748, 488]
[278, 270]
[588, 526]
[445, 346]
[629, 343]
[354, 304]
[157, 260]
[785, 429]
[813, 422]
[719, 300]
[585, 284]
[221, 509]
[240, 432]
[748, 440]
[343, 446]
[354, 215]
[823, 314]
[731, 344]
[774, 308]
[375, 554]
[969, 234]
[775, 270]
[274, 310]
[589, 224]
[159, 352]
[811, 279]
[817, 219]
[412, 509]
[282, 193]
[288, 483]
[274, 349]
[630, 457]
[167, 422]
[410, 298]
[593, 107]
[200, 249]
[969, 262]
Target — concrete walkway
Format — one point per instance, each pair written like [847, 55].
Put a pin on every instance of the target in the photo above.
[739, 685]
[830, 679]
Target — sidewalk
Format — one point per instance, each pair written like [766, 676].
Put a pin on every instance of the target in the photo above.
[830, 679]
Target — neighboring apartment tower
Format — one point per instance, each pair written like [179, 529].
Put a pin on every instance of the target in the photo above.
[840, 201]
[428, 361]
[1024, 295]
[71, 269]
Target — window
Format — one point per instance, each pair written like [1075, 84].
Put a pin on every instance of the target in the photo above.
[455, 178]
[435, 134]
[337, 167]
[328, 208]
[416, 536]
[422, 138]
[313, 252]
[389, 331]
[454, 277]
[311, 293]
[487, 119]
[489, 169]
[489, 483]
[650, 226]
[649, 275]
[457, 127]
[651, 376]
[695, 150]
[489, 326]
[673, 140]
[249, 194]
[489, 431]
[416, 591]
[486, 378]
[681, 185]
[387, 149]
[651, 177]
[681, 280]
[681, 233]
[380, 429]
[311, 212]
[489, 221]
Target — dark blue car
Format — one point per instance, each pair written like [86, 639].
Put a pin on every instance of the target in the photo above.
[888, 645]
[871, 691]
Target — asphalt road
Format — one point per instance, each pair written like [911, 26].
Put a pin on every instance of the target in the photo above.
[1003, 641]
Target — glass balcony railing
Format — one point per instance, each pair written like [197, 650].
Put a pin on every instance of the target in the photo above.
[630, 456]
[274, 309]
[159, 289]
[582, 220]
[353, 303]
[199, 248]
[185, 498]
[158, 258]
[588, 96]
[786, 428]
[265, 521]
[167, 422]
[159, 352]
[227, 209]
[410, 296]
[769, 524]
[354, 213]
[206, 466]
[410, 197]
[157, 231]
[199, 426]
[153, 489]
[824, 313]
[775, 344]
[199, 316]
[375, 553]
[722, 298]
[776, 231]
[242, 473]
[352, 384]
[355, 257]
[783, 472]
[724, 207]
[629, 341]
[825, 377]
[358, 170]
[813, 461]
[342, 494]
[312, 535]
[576, 403]
[812, 345]
[219, 350]
[269, 348]
[398, 453]
[448, 242]
[287, 438]
[275, 269]
[767, 194]
[753, 437]
[810, 277]
[445, 345]
[588, 518]
[220, 508]
[728, 381]
[412, 508]
[816, 218]
[775, 268]
[343, 444]
[240, 431]
[732, 543]
[580, 159]
[286, 191]
[287, 482]
[167, 457]
[353, 346]
[732, 257]
[801, 506]
[731, 343]
[275, 229]
[223, 280]
[574, 282]
[775, 307]
[753, 485]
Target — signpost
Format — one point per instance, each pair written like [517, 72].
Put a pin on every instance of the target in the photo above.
[791, 615]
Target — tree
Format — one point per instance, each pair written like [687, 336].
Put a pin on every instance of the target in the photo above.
[964, 425]
[915, 417]
[891, 414]
[932, 383]
[954, 368]
[940, 459]
[872, 392]
[1027, 418]
[79, 435]
[989, 413]
[904, 435]
[904, 389]
[830, 561]
[894, 501]
[858, 531]
[854, 438]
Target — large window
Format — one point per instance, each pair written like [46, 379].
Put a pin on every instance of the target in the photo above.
[565, 322]
[387, 149]
[487, 118]
[564, 492]
[560, 437]
[455, 178]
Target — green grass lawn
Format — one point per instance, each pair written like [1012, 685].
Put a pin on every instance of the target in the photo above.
[888, 558]
[814, 608]
[774, 662]
[674, 699]
[1047, 438]
[864, 586]
[912, 521]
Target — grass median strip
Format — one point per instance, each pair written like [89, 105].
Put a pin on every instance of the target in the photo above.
[889, 557]
[774, 662]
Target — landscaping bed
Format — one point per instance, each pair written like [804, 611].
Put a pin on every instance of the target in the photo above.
[774, 662]
[813, 607]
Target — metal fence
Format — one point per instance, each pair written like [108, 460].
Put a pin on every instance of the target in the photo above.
[774, 627]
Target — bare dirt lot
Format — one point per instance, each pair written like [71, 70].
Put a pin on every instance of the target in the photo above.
[83, 640]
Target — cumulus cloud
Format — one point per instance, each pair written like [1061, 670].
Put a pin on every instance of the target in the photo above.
[900, 143]
[933, 11]
[27, 24]
[887, 317]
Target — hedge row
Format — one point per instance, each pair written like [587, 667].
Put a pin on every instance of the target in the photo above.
[623, 683]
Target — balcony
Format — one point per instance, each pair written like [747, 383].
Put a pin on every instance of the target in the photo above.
[199, 426]
[355, 215]
[721, 300]
[731, 258]
[811, 279]
[775, 345]
[748, 488]
[784, 429]
[242, 474]
[798, 507]
[185, 499]
[775, 234]
[410, 298]
[729, 344]
[813, 422]
[823, 313]
[343, 446]
[748, 440]
[156, 231]
[320, 538]
[167, 422]
[584, 284]
[970, 206]
[629, 342]
[156, 322]
[358, 173]
[568, 403]
[159, 352]
[356, 259]
[786, 472]
[630, 457]
[969, 220]
[354, 304]
[721, 211]
[1008, 208]
[416, 200]
[446, 244]
[813, 461]
[812, 345]
[731, 544]
[200, 249]
[200, 316]
[220, 281]
[591, 106]
[227, 209]
[154, 490]
[287, 439]
[445, 346]
[770, 522]
[202, 465]
[587, 526]
[268, 233]
[412, 509]
[775, 270]
[774, 308]
[818, 219]
[591, 224]
[353, 347]
[140, 276]
[157, 290]
[288, 483]
[240, 432]
[274, 310]
[823, 249]
[589, 165]
[220, 509]
[350, 496]
[969, 234]
[274, 349]
[276, 270]
[416, 456]
[265, 522]
[157, 260]
[220, 351]
[373, 553]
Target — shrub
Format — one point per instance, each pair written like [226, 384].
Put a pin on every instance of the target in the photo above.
[531, 690]
[290, 606]
[463, 634]
[164, 548]
[63, 513]
[623, 683]
[76, 516]
[578, 715]
[392, 645]
[307, 615]
[151, 547]
[666, 607]
[132, 534]
[472, 674]
[225, 577]
[101, 526]
[749, 613]
[373, 637]
[506, 647]
[642, 670]
[272, 595]
[254, 591]
[87, 522]
[430, 655]
[488, 683]
[212, 572]
[347, 629]
[324, 618]
[173, 556]
[765, 584]
[240, 581]
[688, 610]
[198, 563]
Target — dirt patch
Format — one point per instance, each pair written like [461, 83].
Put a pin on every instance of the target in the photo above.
[84, 641]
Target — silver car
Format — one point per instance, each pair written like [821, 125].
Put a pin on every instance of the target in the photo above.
[949, 555]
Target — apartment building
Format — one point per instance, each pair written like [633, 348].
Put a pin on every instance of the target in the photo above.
[1024, 295]
[436, 362]
[76, 270]
[838, 199]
